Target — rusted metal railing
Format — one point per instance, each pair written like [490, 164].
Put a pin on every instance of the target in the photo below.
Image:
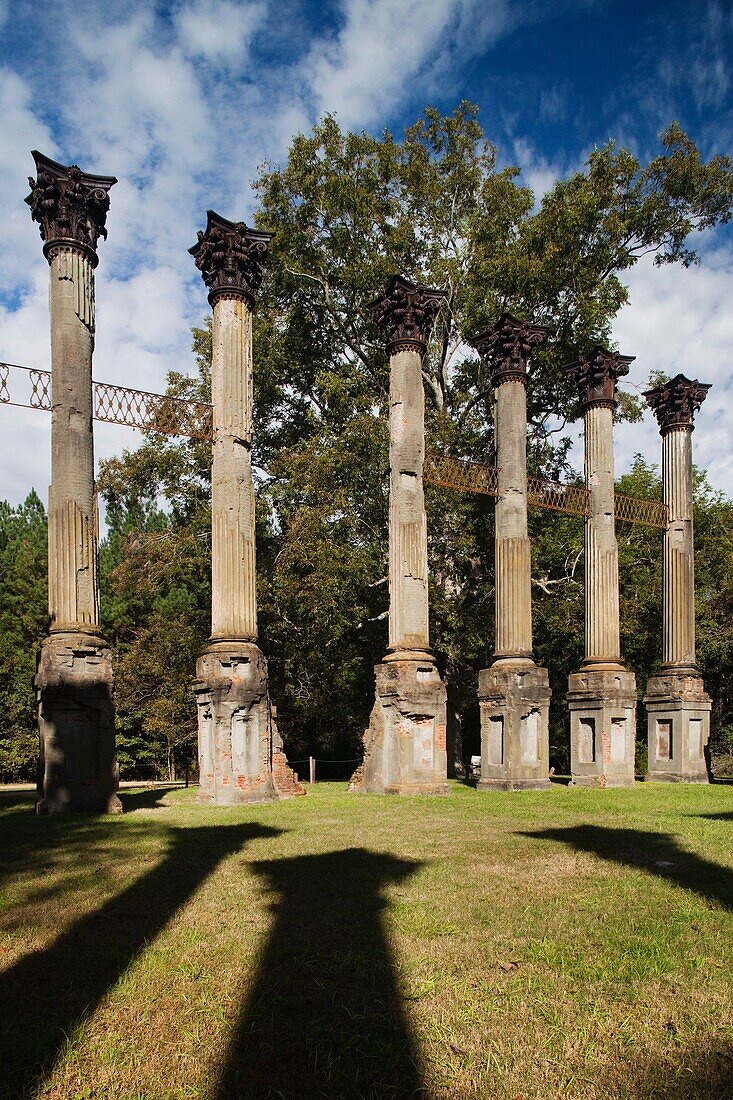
[30, 388]
[473, 477]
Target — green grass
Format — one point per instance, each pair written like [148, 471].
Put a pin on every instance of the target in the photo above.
[539, 945]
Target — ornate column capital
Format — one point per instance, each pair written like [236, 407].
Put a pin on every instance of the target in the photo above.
[596, 373]
[406, 311]
[69, 205]
[507, 346]
[230, 257]
[675, 403]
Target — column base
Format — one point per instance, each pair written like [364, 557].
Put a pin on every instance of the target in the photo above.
[678, 727]
[77, 770]
[514, 698]
[404, 747]
[602, 707]
[240, 750]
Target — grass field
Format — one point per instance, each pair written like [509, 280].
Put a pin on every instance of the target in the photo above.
[537, 945]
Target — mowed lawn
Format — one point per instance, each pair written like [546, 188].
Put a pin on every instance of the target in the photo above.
[538, 945]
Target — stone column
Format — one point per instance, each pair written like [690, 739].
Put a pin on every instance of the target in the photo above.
[514, 693]
[74, 686]
[404, 747]
[678, 707]
[602, 695]
[240, 750]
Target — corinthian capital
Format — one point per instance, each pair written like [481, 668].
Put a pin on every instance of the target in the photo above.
[230, 257]
[69, 205]
[507, 346]
[406, 312]
[596, 374]
[675, 403]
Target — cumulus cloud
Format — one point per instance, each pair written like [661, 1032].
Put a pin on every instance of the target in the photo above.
[182, 108]
[218, 30]
[678, 321]
[383, 45]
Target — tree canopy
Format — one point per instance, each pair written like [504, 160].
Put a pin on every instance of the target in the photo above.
[349, 210]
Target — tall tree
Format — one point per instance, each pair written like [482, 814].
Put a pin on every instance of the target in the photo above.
[349, 210]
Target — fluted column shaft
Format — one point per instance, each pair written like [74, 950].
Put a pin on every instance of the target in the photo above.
[73, 591]
[513, 552]
[678, 576]
[408, 548]
[233, 574]
[602, 629]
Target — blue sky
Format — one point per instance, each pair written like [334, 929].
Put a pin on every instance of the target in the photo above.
[182, 102]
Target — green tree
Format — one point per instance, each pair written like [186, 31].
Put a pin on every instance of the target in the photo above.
[349, 210]
[156, 586]
[23, 623]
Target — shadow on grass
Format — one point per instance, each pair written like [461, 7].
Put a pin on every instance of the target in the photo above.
[324, 1017]
[658, 853]
[149, 798]
[33, 845]
[702, 1072]
[716, 817]
[46, 995]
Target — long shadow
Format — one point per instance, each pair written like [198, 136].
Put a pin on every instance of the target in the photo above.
[658, 853]
[725, 816]
[324, 1017]
[33, 845]
[48, 993]
[148, 798]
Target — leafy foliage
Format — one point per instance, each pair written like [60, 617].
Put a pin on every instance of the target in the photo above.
[349, 210]
[23, 623]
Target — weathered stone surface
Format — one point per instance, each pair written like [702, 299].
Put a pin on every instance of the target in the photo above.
[678, 570]
[241, 756]
[507, 346]
[74, 690]
[602, 727]
[515, 704]
[238, 738]
[678, 712]
[596, 374]
[230, 257]
[69, 205]
[406, 312]
[73, 586]
[73, 683]
[675, 403]
[514, 693]
[404, 747]
[678, 708]
[408, 528]
[602, 695]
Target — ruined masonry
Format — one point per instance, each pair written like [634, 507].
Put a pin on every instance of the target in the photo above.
[514, 693]
[73, 682]
[678, 707]
[404, 746]
[602, 694]
[241, 755]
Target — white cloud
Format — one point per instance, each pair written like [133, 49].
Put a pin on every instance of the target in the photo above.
[384, 45]
[180, 113]
[538, 173]
[218, 30]
[22, 131]
[679, 322]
